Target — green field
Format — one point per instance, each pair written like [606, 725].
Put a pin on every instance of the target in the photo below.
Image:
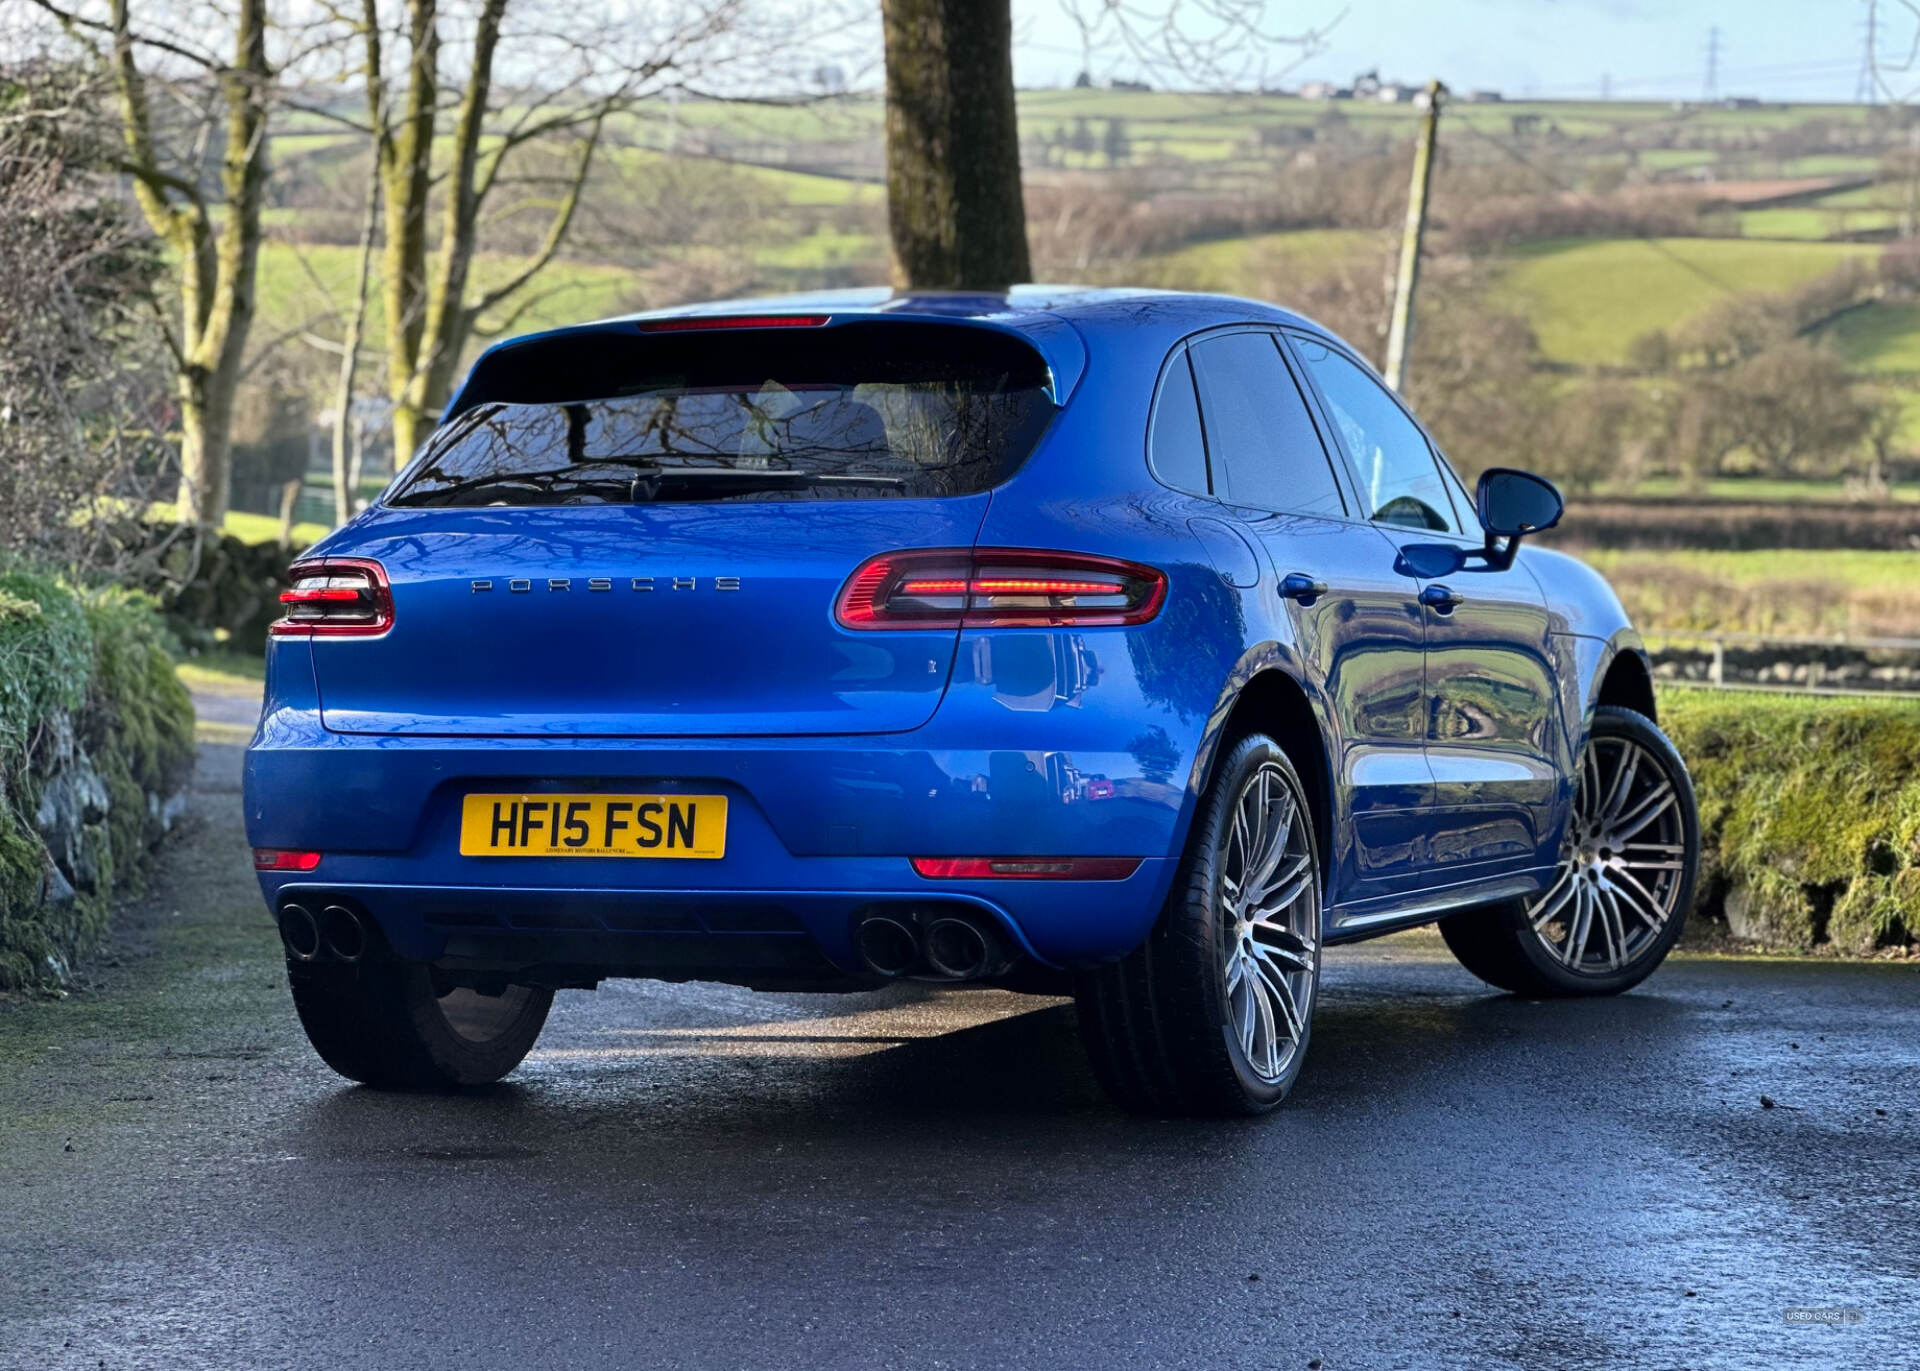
[1824, 593]
[1857, 570]
[1814, 222]
[1589, 298]
[1239, 265]
[1785, 490]
[303, 288]
[1884, 337]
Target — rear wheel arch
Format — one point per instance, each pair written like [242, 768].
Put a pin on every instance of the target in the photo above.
[1274, 703]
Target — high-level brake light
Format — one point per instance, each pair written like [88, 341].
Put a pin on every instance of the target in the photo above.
[998, 588]
[694, 323]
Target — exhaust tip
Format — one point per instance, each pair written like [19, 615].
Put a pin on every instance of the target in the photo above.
[958, 949]
[299, 932]
[887, 946]
[342, 933]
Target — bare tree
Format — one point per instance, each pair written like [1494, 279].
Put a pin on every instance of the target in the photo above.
[213, 249]
[1220, 44]
[455, 131]
[81, 381]
[346, 470]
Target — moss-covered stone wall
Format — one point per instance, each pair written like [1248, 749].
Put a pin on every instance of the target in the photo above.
[1810, 810]
[96, 742]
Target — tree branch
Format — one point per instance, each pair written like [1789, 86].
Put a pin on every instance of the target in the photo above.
[556, 230]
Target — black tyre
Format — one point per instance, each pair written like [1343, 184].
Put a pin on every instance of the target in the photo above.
[390, 1024]
[1625, 882]
[1211, 1015]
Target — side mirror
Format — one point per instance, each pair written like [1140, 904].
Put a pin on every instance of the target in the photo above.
[1513, 503]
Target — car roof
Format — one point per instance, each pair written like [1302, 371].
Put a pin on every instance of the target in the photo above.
[1060, 321]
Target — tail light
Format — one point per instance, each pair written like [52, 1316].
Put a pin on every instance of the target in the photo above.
[341, 597]
[281, 859]
[998, 588]
[1026, 868]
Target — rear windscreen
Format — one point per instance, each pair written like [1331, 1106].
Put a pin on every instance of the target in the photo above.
[859, 412]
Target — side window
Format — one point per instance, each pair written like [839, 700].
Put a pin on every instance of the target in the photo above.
[1176, 449]
[1260, 435]
[1399, 480]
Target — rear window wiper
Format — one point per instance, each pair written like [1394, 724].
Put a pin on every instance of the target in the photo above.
[543, 482]
[649, 482]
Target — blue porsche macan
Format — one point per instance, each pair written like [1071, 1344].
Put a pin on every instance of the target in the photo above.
[1121, 644]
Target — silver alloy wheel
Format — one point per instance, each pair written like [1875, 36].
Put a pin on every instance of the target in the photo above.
[482, 1018]
[1270, 921]
[1622, 866]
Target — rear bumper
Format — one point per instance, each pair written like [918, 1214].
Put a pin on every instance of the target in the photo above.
[818, 830]
[783, 935]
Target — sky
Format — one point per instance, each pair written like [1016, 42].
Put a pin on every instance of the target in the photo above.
[1786, 50]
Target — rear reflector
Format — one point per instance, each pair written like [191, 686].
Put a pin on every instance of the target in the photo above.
[998, 588]
[280, 859]
[1026, 868]
[699, 322]
[339, 597]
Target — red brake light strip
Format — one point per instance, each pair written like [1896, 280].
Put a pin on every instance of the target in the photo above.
[1026, 868]
[697, 322]
[992, 588]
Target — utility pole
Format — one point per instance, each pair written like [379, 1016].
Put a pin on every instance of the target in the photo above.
[1712, 90]
[1400, 330]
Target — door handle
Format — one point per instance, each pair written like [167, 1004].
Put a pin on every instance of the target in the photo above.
[1440, 599]
[1298, 586]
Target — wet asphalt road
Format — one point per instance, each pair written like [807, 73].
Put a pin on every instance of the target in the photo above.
[697, 1176]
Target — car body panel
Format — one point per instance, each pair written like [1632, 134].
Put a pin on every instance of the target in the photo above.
[695, 629]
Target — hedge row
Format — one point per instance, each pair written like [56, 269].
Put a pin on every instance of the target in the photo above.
[1810, 811]
[1686, 522]
[96, 739]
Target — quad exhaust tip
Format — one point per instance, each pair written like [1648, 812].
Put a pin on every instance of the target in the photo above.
[300, 931]
[958, 949]
[336, 933]
[888, 946]
[937, 947]
[342, 933]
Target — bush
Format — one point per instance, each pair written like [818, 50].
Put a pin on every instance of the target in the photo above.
[1810, 813]
[96, 737]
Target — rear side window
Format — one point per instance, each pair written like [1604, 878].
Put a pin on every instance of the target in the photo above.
[1261, 440]
[1176, 449]
[858, 412]
[1399, 479]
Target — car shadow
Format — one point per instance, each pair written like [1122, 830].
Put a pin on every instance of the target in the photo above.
[759, 1088]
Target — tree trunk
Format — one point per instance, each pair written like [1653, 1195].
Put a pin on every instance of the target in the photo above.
[448, 321]
[407, 165]
[953, 145]
[206, 450]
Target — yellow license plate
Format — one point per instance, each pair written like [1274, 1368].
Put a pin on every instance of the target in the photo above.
[593, 826]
